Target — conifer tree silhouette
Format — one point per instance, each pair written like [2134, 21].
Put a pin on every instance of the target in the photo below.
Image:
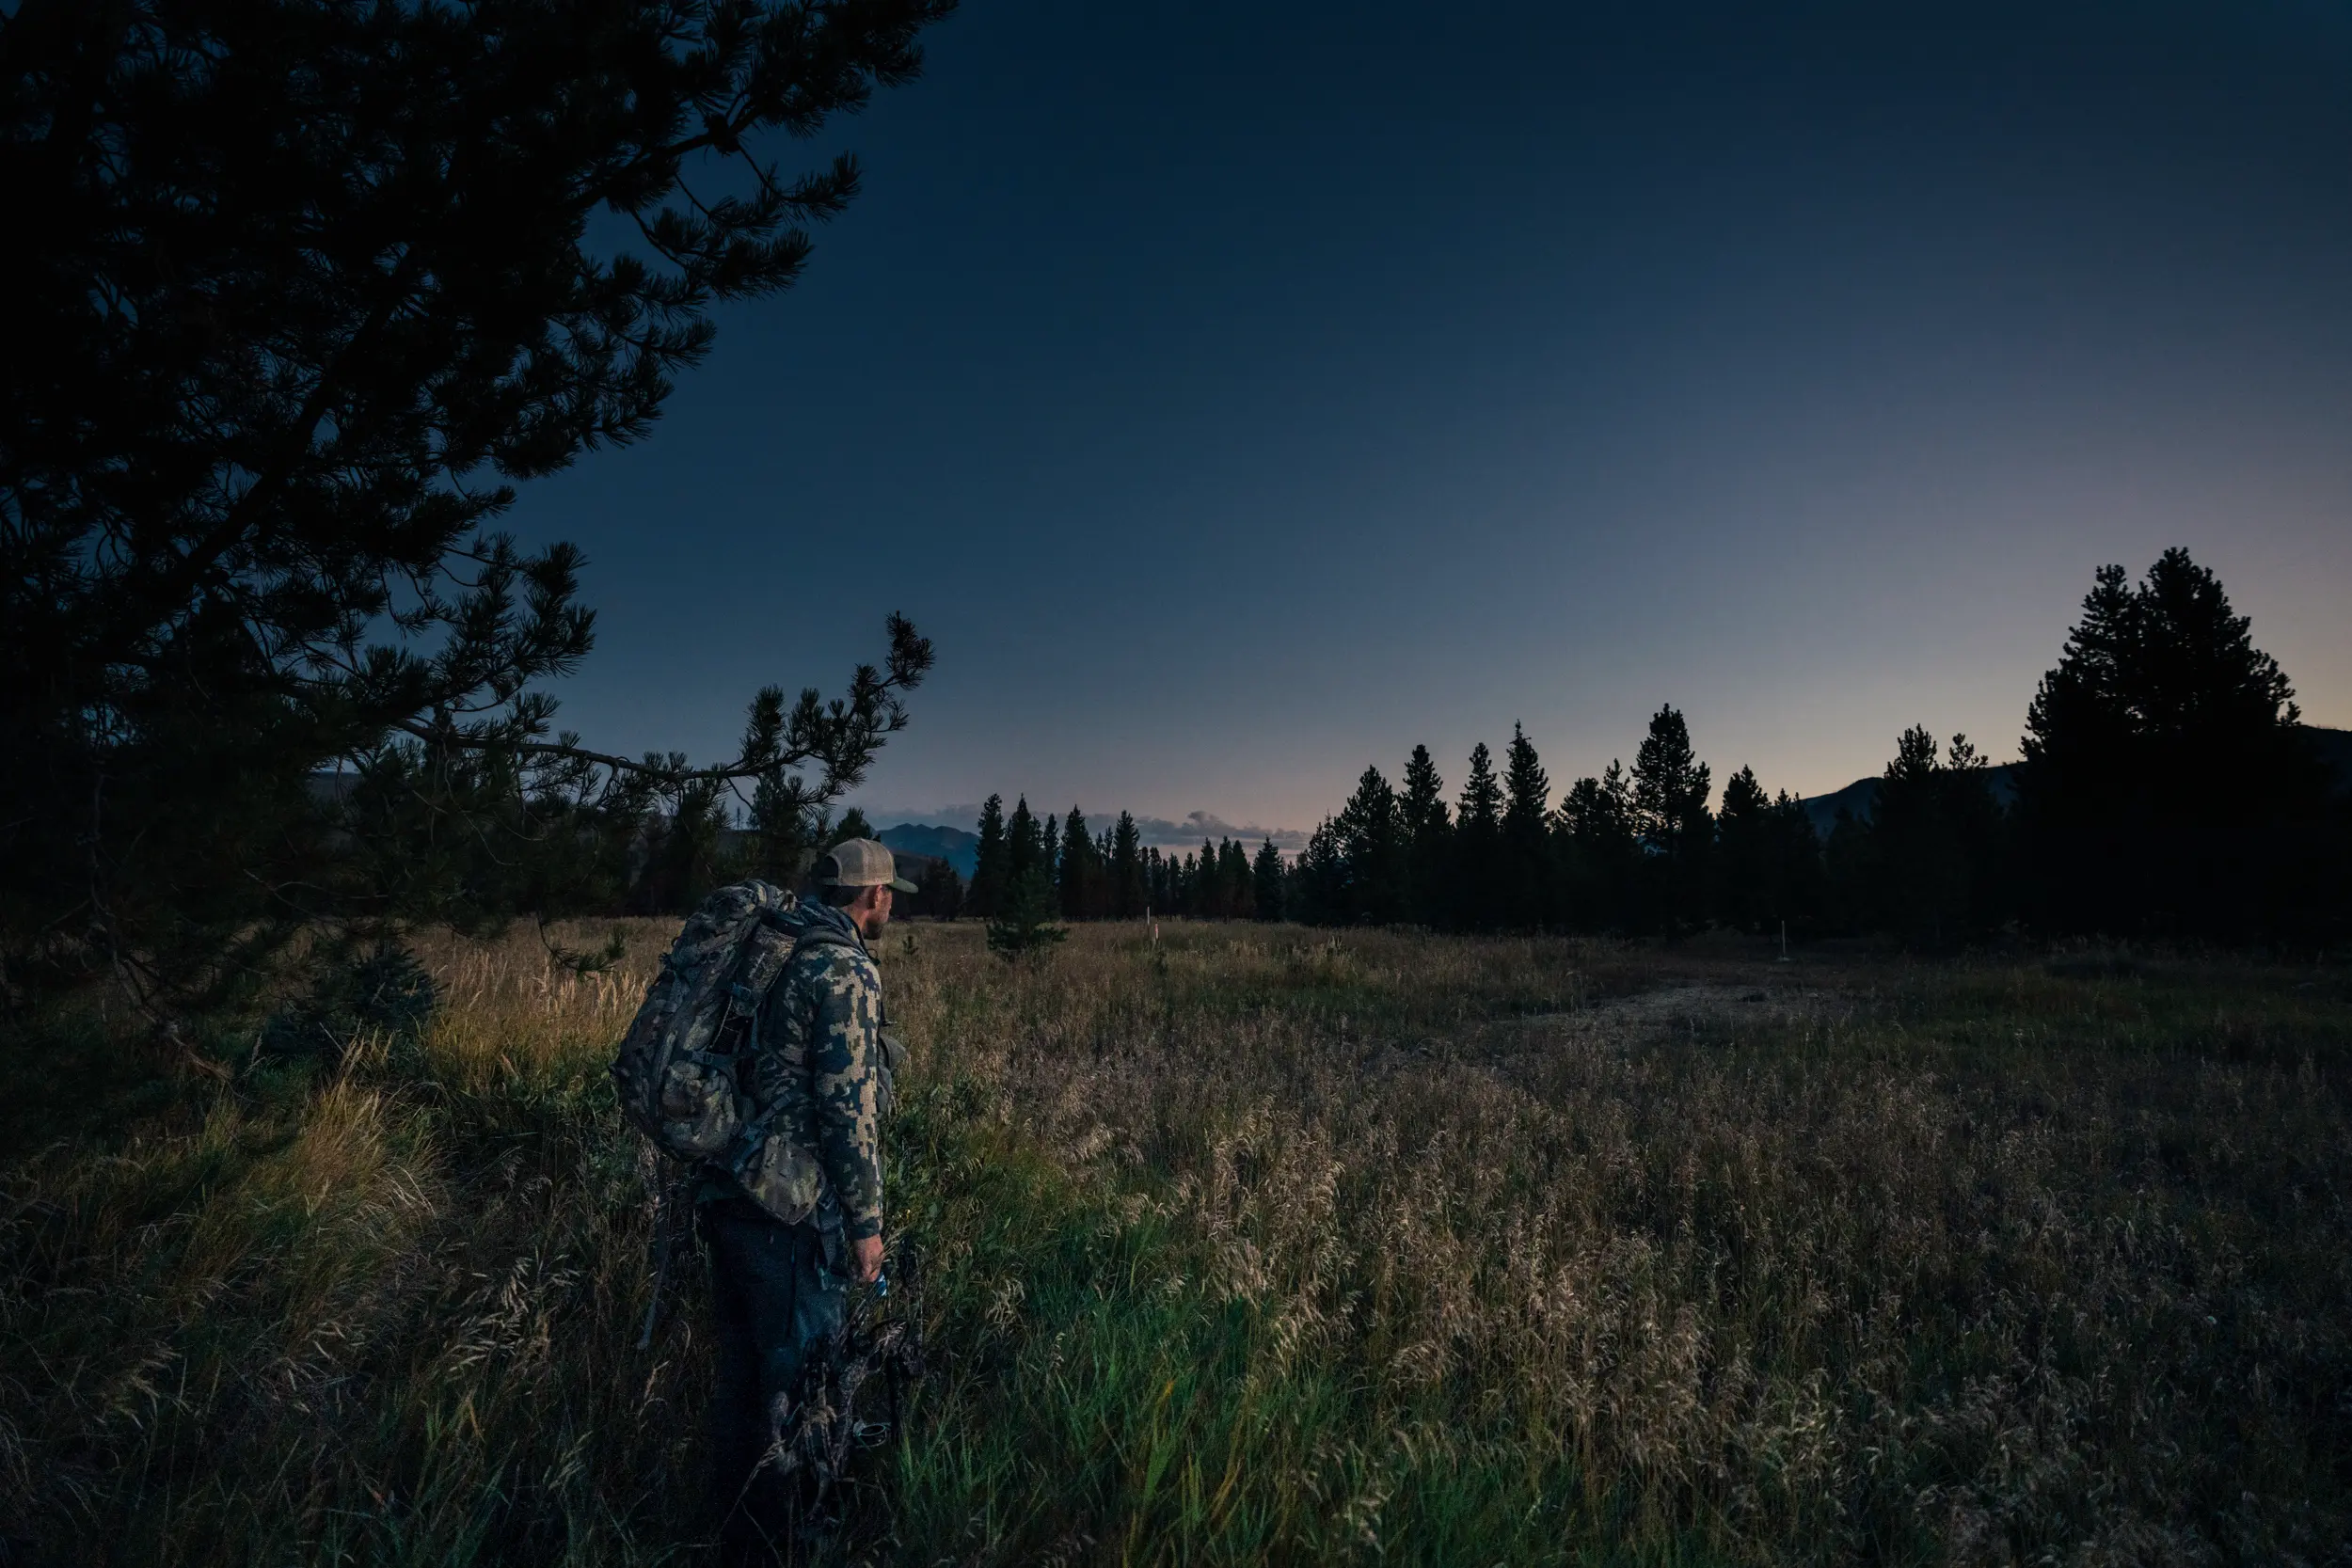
[1429, 842]
[1798, 877]
[1478, 844]
[1130, 890]
[1024, 843]
[1669, 796]
[1526, 872]
[1240, 889]
[1077, 872]
[1321, 882]
[941, 893]
[991, 871]
[1921, 827]
[1371, 846]
[1266, 875]
[1746, 854]
[2160, 710]
[1023, 926]
[1599, 832]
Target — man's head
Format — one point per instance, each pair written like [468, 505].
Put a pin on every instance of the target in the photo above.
[858, 877]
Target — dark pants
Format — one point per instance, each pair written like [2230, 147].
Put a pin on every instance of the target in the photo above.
[773, 1304]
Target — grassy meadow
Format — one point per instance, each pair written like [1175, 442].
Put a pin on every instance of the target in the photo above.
[1262, 1245]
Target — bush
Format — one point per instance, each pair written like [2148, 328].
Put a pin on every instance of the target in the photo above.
[381, 990]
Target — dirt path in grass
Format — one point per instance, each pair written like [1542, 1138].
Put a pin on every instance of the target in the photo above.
[1679, 1005]
[1679, 1009]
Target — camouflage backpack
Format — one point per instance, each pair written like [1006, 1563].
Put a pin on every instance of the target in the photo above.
[682, 1071]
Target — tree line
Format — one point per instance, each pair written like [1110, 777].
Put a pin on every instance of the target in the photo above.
[1064, 866]
[2167, 789]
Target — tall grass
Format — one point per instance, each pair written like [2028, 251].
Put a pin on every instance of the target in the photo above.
[1270, 1246]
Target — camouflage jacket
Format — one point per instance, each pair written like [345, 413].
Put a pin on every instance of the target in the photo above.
[822, 1055]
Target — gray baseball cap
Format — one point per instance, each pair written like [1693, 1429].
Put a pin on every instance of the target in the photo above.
[861, 862]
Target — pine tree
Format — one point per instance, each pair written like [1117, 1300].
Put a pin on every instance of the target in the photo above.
[1321, 882]
[1919, 879]
[1208, 889]
[1023, 928]
[313, 288]
[991, 870]
[1372, 841]
[2167, 787]
[1482, 797]
[939, 894]
[1240, 889]
[1078, 874]
[1768, 858]
[683, 860]
[1600, 829]
[1936, 854]
[1266, 879]
[853, 825]
[1529, 895]
[1024, 845]
[1849, 876]
[1798, 886]
[1746, 854]
[1099, 891]
[1478, 886]
[1130, 889]
[1429, 842]
[1671, 789]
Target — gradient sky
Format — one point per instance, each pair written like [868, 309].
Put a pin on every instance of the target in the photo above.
[1239, 393]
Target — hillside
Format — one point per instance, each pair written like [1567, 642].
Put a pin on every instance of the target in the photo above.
[953, 844]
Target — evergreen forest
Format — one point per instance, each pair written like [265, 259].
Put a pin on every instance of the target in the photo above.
[2169, 791]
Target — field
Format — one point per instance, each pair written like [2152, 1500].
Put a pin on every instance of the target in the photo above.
[1262, 1245]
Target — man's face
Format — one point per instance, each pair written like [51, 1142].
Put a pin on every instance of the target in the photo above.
[872, 912]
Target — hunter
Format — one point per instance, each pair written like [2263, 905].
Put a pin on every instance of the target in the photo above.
[778, 1290]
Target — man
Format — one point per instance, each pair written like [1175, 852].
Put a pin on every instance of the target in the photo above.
[777, 1289]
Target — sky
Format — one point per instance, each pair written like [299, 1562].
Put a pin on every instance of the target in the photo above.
[1240, 394]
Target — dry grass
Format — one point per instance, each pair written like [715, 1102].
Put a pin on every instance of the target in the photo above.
[1268, 1245]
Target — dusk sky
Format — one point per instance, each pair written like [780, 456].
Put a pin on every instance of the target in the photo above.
[1238, 394]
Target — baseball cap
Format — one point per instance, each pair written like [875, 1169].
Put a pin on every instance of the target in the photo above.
[861, 862]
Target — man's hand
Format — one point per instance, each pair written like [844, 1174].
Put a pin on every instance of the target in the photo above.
[865, 1255]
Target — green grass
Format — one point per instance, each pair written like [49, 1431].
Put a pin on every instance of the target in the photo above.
[1262, 1245]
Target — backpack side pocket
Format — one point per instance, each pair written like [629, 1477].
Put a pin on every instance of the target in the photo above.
[783, 1179]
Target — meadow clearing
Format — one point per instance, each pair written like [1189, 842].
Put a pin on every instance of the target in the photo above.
[1263, 1244]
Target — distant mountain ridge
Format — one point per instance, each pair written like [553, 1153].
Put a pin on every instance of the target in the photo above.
[1861, 797]
[953, 844]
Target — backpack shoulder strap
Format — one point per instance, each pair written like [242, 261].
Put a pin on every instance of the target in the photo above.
[766, 951]
[770, 949]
